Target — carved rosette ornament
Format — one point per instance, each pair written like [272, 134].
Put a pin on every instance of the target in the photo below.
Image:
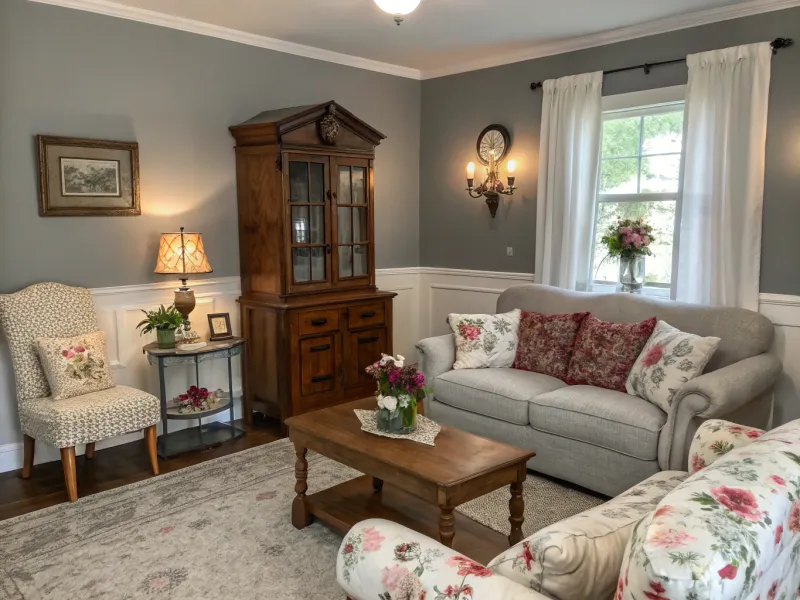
[329, 127]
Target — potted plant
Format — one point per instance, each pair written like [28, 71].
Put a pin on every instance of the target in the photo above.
[399, 389]
[164, 321]
[630, 240]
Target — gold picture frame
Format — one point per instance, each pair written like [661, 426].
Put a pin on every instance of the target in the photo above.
[80, 177]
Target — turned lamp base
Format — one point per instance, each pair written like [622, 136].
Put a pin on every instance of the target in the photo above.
[185, 303]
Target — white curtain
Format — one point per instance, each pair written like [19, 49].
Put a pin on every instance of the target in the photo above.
[569, 166]
[720, 236]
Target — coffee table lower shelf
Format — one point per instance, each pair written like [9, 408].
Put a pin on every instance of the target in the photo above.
[346, 504]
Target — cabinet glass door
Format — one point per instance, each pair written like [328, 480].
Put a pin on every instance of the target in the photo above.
[353, 203]
[308, 206]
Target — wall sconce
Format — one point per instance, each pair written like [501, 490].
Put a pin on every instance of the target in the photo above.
[493, 146]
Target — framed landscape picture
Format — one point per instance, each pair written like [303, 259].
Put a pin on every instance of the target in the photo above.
[82, 177]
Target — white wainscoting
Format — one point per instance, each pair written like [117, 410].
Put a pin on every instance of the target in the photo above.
[425, 296]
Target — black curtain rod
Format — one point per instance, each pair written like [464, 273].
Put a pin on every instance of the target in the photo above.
[778, 44]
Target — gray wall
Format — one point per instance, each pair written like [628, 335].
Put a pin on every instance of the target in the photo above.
[72, 73]
[457, 231]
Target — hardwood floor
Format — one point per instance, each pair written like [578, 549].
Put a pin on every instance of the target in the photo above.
[112, 468]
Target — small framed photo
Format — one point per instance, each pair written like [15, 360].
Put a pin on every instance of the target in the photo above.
[220, 326]
[81, 177]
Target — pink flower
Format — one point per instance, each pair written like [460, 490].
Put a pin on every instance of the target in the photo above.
[372, 540]
[653, 355]
[467, 566]
[671, 538]
[728, 572]
[698, 463]
[777, 480]
[794, 517]
[625, 230]
[773, 591]
[778, 534]
[79, 349]
[527, 555]
[391, 576]
[753, 434]
[646, 240]
[470, 332]
[656, 591]
[663, 511]
[735, 428]
[741, 502]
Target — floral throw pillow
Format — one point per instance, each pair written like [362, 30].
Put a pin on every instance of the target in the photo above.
[75, 366]
[546, 341]
[605, 352]
[485, 340]
[670, 358]
[715, 438]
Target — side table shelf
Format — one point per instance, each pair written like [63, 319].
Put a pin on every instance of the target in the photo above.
[202, 436]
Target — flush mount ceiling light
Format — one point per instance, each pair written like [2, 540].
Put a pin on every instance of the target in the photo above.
[398, 8]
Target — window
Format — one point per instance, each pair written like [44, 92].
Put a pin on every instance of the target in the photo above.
[640, 177]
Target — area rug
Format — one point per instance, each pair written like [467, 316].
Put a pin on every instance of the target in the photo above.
[220, 529]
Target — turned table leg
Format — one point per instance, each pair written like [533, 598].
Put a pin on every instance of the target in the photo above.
[447, 528]
[300, 516]
[516, 507]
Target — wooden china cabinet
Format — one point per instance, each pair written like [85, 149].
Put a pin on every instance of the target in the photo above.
[311, 312]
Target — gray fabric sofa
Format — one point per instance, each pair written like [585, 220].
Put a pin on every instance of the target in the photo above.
[600, 439]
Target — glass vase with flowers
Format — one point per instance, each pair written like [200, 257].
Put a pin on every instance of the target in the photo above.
[630, 240]
[400, 388]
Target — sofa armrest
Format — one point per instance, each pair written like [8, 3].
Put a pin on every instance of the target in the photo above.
[715, 395]
[380, 559]
[436, 356]
[715, 438]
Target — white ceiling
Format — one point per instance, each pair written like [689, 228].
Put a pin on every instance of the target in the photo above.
[444, 36]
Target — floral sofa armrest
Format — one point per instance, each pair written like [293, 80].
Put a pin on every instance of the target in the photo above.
[380, 560]
[715, 438]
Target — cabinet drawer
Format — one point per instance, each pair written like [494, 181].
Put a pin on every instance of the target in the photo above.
[317, 365]
[366, 315]
[319, 321]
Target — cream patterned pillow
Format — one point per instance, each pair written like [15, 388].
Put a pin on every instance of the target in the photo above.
[485, 340]
[669, 359]
[75, 366]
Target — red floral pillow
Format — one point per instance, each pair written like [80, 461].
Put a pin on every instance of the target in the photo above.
[546, 341]
[605, 352]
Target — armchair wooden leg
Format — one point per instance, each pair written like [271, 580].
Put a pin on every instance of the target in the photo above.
[150, 439]
[29, 444]
[90, 451]
[70, 476]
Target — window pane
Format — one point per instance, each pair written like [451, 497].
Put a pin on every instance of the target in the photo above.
[359, 191]
[300, 224]
[619, 176]
[621, 137]
[298, 181]
[661, 173]
[300, 263]
[345, 225]
[344, 196]
[360, 260]
[317, 224]
[661, 215]
[317, 182]
[360, 225]
[318, 264]
[663, 134]
[345, 261]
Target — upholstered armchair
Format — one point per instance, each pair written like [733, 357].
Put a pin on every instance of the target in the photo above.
[52, 310]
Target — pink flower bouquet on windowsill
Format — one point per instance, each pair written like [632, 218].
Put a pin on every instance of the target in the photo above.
[629, 238]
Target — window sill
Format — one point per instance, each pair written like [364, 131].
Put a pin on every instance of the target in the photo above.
[651, 292]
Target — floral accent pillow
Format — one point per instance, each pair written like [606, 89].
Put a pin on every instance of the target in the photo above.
[546, 341]
[670, 359]
[75, 366]
[485, 340]
[715, 438]
[605, 352]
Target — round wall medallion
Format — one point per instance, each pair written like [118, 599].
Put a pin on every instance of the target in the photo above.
[329, 128]
[494, 138]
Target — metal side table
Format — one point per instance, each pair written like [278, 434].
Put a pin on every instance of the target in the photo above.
[202, 436]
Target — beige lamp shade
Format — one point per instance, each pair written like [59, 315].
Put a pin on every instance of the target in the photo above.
[181, 253]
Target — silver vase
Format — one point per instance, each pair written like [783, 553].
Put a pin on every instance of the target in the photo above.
[631, 274]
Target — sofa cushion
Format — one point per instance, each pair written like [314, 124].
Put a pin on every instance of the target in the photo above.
[580, 557]
[484, 341]
[498, 393]
[546, 342]
[730, 531]
[605, 352]
[606, 418]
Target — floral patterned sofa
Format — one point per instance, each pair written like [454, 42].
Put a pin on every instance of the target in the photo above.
[727, 529]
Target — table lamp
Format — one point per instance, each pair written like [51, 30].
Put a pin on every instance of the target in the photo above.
[182, 254]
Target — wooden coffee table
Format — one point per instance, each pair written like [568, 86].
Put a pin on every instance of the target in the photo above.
[424, 484]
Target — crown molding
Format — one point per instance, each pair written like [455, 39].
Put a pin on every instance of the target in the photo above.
[656, 27]
[113, 9]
